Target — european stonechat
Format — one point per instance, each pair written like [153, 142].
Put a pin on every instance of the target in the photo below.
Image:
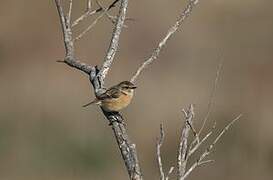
[115, 98]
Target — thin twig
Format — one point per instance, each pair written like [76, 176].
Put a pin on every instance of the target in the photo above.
[194, 132]
[89, 5]
[225, 130]
[85, 15]
[169, 173]
[105, 12]
[193, 149]
[68, 42]
[158, 152]
[127, 149]
[212, 95]
[200, 161]
[205, 162]
[187, 11]
[183, 143]
[113, 4]
[70, 10]
[62, 17]
[89, 27]
[195, 165]
[114, 42]
[210, 103]
[111, 18]
[91, 12]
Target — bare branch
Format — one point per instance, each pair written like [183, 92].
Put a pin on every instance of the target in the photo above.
[210, 103]
[89, 27]
[67, 34]
[113, 4]
[68, 42]
[72, 62]
[183, 145]
[158, 152]
[105, 12]
[200, 160]
[195, 165]
[225, 130]
[211, 98]
[97, 78]
[191, 169]
[205, 162]
[193, 149]
[113, 19]
[90, 12]
[85, 15]
[89, 5]
[127, 149]
[169, 173]
[191, 125]
[114, 42]
[70, 10]
[187, 11]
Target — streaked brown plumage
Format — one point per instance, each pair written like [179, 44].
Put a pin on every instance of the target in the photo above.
[115, 98]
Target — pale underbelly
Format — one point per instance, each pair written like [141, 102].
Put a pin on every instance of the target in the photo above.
[116, 104]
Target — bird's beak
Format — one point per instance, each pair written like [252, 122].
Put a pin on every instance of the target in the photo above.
[133, 87]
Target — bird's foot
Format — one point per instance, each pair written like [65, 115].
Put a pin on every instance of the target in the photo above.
[116, 117]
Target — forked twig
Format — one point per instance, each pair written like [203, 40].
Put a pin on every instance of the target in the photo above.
[185, 151]
[91, 12]
[182, 157]
[110, 17]
[193, 148]
[127, 149]
[69, 11]
[187, 11]
[169, 173]
[70, 58]
[211, 98]
[200, 160]
[114, 42]
[158, 152]
[90, 26]
[85, 15]
[97, 78]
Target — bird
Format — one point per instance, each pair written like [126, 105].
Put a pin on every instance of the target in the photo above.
[116, 97]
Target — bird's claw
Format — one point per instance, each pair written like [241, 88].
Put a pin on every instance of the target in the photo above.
[114, 118]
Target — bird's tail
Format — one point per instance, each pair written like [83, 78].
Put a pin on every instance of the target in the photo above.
[96, 101]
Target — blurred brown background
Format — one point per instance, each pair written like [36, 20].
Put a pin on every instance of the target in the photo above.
[46, 134]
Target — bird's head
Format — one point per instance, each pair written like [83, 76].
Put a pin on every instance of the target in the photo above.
[126, 86]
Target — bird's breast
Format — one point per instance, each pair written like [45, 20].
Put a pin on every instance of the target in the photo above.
[117, 104]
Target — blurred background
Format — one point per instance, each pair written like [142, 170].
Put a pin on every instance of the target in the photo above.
[46, 134]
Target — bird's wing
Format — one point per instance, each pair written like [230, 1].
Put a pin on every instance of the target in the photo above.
[96, 101]
[111, 93]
